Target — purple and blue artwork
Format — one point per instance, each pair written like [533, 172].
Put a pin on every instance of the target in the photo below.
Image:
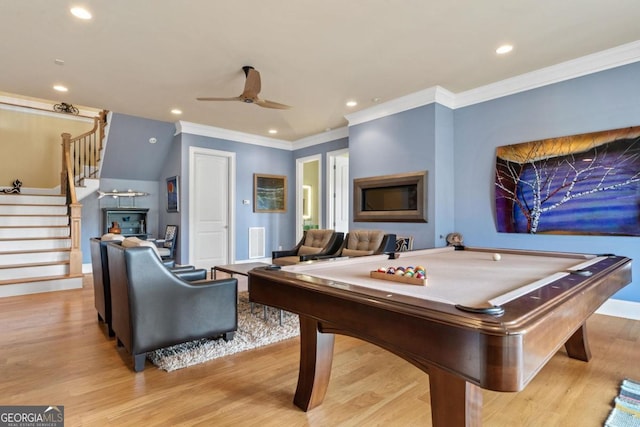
[580, 184]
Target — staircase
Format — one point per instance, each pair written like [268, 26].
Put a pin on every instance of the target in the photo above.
[35, 245]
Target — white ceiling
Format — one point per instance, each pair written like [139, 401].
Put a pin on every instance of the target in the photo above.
[144, 58]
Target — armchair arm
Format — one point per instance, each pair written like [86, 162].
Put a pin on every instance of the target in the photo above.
[191, 274]
[280, 254]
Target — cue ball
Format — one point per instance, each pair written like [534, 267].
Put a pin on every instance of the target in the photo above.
[496, 257]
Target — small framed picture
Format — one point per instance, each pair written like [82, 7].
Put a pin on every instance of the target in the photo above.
[173, 194]
[269, 193]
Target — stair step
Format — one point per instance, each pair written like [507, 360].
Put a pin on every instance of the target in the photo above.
[26, 209]
[12, 273]
[39, 284]
[34, 244]
[33, 257]
[32, 199]
[33, 220]
[31, 232]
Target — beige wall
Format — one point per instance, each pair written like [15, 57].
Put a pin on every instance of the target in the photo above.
[30, 145]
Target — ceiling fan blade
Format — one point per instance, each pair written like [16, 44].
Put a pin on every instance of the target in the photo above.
[235, 98]
[270, 104]
[251, 85]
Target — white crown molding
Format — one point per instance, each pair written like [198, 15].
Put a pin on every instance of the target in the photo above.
[231, 135]
[600, 61]
[321, 138]
[408, 102]
[620, 308]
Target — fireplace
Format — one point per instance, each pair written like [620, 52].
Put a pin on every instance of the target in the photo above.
[390, 198]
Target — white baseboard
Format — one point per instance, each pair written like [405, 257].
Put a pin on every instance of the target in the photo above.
[620, 308]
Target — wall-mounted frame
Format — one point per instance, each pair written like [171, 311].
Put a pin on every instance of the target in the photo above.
[391, 198]
[269, 193]
[173, 194]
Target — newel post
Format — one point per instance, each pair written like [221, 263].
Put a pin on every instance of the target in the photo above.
[66, 150]
[75, 256]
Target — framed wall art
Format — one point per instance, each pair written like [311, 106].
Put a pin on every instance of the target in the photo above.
[269, 193]
[585, 184]
[173, 194]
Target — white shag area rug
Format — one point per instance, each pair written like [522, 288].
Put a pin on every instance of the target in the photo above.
[253, 331]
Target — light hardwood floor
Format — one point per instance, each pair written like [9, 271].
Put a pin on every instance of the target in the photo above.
[54, 352]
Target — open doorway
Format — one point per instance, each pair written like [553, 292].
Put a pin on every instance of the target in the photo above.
[338, 195]
[308, 194]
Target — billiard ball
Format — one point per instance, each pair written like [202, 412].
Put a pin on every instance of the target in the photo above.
[391, 270]
[399, 272]
[419, 267]
[497, 257]
[382, 270]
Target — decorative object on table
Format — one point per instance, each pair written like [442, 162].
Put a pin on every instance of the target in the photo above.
[455, 239]
[173, 194]
[115, 228]
[253, 331]
[116, 194]
[626, 412]
[15, 190]
[269, 193]
[63, 107]
[404, 243]
[579, 184]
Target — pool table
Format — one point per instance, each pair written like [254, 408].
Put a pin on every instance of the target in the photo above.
[478, 323]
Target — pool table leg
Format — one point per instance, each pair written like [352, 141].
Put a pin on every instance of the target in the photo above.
[454, 401]
[578, 346]
[316, 356]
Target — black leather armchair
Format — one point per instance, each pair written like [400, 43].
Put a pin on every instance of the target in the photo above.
[102, 283]
[153, 308]
[314, 243]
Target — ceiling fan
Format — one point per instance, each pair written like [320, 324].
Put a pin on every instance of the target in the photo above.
[251, 91]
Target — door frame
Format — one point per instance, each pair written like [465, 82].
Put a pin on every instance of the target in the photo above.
[231, 234]
[299, 181]
[331, 178]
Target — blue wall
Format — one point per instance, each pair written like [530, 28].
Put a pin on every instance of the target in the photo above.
[250, 159]
[601, 101]
[412, 141]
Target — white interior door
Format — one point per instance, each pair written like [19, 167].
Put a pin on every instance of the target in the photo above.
[210, 202]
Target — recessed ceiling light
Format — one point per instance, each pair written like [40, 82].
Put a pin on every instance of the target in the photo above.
[273, 131]
[376, 99]
[61, 88]
[505, 48]
[351, 103]
[176, 111]
[80, 12]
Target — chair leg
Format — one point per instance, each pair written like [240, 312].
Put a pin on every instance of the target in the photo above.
[139, 361]
[228, 336]
[119, 343]
[110, 330]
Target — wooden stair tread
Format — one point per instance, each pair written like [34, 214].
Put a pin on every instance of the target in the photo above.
[38, 279]
[34, 264]
[35, 251]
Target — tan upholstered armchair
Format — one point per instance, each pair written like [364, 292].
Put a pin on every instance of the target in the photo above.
[313, 243]
[365, 242]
